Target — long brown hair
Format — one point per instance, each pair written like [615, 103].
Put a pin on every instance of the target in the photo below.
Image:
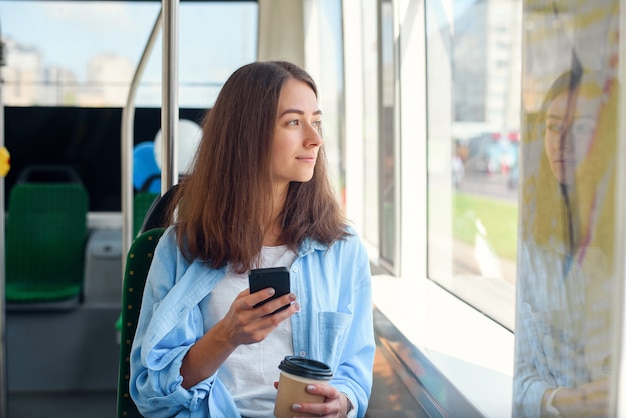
[582, 214]
[224, 204]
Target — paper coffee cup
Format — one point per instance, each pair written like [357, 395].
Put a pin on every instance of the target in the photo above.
[295, 374]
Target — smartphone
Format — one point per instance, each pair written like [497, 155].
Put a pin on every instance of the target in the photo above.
[274, 277]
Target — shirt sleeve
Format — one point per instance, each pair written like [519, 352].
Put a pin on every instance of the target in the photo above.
[155, 380]
[528, 385]
[531, 368]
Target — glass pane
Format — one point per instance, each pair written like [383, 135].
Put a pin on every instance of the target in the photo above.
[387, 145]
[473, 79]
[370, 121]
[74, 53]
[567, 258]
[331, 89]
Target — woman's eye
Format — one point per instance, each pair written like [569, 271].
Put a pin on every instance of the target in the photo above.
[293, 123]
[556, 128]
[317, 124]
[584, 128]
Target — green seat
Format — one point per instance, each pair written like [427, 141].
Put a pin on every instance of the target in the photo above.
[157, 214]
[141, 204]
[46, 235]
[137, 265]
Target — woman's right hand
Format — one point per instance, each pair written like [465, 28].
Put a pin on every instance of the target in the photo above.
[245, 324]
[242, 324]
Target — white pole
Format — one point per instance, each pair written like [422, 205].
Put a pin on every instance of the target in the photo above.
[169, 110]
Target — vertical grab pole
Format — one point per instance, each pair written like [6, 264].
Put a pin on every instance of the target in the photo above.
[169, 111]
[128, 117]
[3, 356]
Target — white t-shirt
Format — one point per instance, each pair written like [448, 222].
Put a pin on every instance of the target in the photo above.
[251, 370]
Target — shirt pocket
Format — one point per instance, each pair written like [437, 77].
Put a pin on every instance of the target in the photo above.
[333, 333]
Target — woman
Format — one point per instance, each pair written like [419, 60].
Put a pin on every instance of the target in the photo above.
[563, 332]
[258, 196]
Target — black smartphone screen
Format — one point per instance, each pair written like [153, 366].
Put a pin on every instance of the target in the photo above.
[274, 277]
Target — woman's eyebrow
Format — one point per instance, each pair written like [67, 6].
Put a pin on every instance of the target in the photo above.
[560, 117]
[297, 111]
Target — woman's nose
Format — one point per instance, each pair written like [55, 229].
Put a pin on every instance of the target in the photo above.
[313, 136]
[566, 138]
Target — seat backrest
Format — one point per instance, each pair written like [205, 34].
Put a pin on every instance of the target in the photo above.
[137, 265]
[46, 237]
[156, 217]
[142, 203]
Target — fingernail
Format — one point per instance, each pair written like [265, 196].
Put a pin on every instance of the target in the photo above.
[296, 407]
[292, 296]
[297, 306]
[271, 291]
[310, 387]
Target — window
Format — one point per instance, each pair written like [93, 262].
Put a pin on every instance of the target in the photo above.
[324, 54]
[73, 53]
[387, 174]
[68, 69]
[473, 148]
[371, 151]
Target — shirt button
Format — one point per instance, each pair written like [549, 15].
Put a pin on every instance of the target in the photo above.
[295, 269]
[302, 353]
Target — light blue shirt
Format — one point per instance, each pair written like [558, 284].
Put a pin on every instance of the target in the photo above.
[563, 332]
[334, 325]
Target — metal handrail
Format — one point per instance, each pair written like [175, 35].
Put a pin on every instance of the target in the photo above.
[168, 17]
[128, 116]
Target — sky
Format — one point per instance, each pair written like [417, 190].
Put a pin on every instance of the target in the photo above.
[68, 34]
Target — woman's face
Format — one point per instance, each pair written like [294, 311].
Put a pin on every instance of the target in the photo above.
[569, 129]
[297, 138]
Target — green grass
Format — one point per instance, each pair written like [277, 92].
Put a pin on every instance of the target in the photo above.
[498, 217]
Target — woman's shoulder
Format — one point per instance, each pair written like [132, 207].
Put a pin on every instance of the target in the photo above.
[349, 241]
[168, 248]
[168, 239]
[168, 257]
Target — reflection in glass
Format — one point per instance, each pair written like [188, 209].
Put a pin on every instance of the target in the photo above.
[566, 280]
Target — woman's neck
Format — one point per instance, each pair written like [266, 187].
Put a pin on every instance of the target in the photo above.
[272, 234]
